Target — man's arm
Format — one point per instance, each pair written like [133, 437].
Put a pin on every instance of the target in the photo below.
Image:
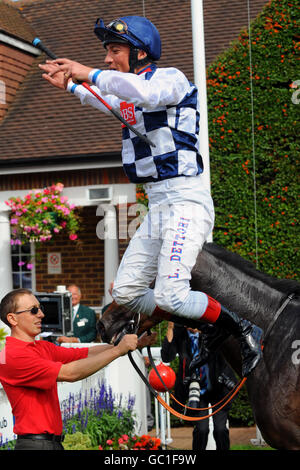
[96, 360]
[143, 341]
[169, 347]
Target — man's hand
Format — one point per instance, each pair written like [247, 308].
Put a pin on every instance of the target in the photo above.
[54, 75]
[147, 340]
[127, 343]
[73, 69]
[60, 71]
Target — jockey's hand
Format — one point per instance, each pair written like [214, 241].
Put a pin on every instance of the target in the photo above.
[54, 75]
[127, 343]
[72, 69]
[147, 340]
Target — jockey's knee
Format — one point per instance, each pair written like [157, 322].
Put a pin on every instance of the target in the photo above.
[122, 295]
[166, 301]
[126, 295]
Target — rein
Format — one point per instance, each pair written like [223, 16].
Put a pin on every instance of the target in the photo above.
[132, 327]
[276, 316]
[159, 398]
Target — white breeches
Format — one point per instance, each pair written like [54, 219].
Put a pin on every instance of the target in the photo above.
[166, 245]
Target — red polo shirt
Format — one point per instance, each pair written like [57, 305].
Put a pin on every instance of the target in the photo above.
[28, 373]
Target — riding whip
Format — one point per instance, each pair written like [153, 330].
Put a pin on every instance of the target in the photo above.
[38, 43]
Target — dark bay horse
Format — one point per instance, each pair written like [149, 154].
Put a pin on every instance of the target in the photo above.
[274, 385]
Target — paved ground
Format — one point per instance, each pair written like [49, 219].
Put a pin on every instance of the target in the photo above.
[182, 436]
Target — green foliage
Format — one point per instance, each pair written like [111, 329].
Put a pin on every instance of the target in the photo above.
[2, 338]
[108, 425]
[240, 413]
[2, 334]
[77, 441]
[254, 157]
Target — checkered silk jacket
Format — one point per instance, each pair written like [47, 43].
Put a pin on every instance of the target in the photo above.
[163, 105]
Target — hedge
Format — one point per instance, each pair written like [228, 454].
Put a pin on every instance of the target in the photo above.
[253, 108]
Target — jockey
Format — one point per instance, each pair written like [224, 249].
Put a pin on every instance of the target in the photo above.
[164, 106]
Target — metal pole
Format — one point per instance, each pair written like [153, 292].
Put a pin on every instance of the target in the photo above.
[200, 82]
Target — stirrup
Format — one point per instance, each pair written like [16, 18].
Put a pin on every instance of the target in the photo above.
[251, 348]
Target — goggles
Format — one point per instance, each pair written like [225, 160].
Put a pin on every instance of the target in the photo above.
[118, 26]
[33, 310]
[115, 26]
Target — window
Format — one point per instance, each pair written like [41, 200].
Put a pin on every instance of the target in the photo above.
[22, 266]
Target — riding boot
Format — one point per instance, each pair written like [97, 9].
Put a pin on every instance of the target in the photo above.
[227, 323]
[248, 334]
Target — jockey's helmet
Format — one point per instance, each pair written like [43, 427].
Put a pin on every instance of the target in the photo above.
[136, 31]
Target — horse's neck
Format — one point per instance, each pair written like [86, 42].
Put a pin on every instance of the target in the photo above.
[249, 297]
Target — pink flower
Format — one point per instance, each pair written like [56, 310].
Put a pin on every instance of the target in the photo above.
[125, 437]
[29, 266]
[73, 236]
[14, 221]
[59, 187]
[100, 448]
[120, 440]
[109, 442]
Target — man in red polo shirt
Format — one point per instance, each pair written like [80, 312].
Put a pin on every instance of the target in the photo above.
[30, 370]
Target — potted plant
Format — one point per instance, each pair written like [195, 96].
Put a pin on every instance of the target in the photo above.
[42, 214]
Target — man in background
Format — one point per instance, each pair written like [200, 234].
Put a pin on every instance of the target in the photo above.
[83, 319]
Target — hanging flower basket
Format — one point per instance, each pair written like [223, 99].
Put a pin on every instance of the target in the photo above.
[42, 214]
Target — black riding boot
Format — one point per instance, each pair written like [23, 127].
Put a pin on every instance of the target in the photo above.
[248, 334]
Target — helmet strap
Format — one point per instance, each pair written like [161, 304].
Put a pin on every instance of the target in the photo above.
[134, 62]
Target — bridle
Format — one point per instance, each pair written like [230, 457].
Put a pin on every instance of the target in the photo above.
[132, 328]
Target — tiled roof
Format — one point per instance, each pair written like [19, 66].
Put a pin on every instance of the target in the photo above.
[46, 122]
[12, 22]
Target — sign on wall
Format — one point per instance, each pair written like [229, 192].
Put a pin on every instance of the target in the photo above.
[54, 263]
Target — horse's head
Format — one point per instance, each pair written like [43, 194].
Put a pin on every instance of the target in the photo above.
[118, 320]
[113, 322]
